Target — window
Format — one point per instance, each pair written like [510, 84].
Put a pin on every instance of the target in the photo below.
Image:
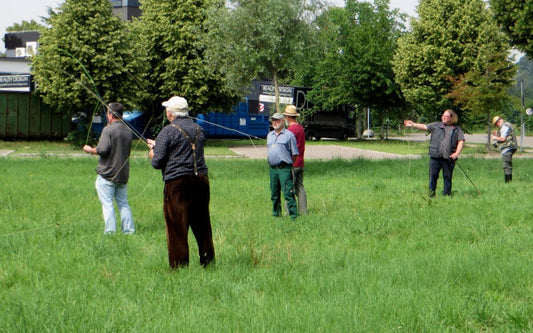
[125, 3]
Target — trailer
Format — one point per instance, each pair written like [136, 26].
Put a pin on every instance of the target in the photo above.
[251, 117]
[338, 124]
[239, 123]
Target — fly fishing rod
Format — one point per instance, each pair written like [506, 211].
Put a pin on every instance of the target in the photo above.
[467, 177]
[100, 99]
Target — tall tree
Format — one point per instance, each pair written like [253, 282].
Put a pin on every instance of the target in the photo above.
[256, 39]
[483, 90]
[514, 17]
[448, 40]
[85, 52]
[25, 26]
[172, 36]
[524, 82]
[360, 41]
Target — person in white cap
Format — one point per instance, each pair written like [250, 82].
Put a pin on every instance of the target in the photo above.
[298, 165]
[178, 152]
[505, 138]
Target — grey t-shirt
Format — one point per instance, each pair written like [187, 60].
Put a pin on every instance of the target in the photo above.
[114, 149]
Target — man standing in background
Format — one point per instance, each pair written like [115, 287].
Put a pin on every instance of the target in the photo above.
[298, 165]
[445, 145]
[282, 152]
[505, 138]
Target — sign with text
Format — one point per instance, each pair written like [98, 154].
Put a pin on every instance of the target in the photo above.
[15, 82]
[268, 94]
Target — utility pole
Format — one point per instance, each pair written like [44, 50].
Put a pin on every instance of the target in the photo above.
[522, 124]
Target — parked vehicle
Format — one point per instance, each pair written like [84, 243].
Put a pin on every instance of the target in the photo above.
[239, 123]
[252, 115]
[338, 124]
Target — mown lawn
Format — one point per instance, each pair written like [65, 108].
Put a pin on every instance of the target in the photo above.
[374, 254]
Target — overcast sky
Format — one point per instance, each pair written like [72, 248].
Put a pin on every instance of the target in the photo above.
[16, 11]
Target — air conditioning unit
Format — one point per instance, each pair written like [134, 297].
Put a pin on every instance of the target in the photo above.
[20, 52]
[31, 48]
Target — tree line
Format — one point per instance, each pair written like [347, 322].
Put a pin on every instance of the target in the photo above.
[455, 54]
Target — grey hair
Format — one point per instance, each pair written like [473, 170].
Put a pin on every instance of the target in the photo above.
[179, 113]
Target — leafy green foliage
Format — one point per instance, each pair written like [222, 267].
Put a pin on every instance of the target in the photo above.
[86, 53]
[514, 17]
[449, 39]
[483, 90]
[24, 26]
[358, 43]
[171, 35]
[254, 39]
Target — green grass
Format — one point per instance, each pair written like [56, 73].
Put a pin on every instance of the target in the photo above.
[44, 148]
[373, 255]
[219, 147]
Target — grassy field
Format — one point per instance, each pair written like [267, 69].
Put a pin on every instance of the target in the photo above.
[375, 254]
[220, 147]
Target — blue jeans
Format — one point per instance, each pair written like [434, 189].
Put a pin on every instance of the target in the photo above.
[107, 192]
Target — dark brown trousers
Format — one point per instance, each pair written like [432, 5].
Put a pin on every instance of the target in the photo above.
[186, 204]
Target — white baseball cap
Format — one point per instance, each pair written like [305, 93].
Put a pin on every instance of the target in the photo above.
[176, 103]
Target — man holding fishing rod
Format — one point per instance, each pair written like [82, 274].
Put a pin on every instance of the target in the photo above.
[445, 146]
[505, 139]
[113, 169]
[178, 152]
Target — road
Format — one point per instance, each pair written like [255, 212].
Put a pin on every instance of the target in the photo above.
[330, 151]
[473, 138]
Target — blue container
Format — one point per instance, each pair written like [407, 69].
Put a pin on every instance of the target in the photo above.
[238, 124]
[136, 119]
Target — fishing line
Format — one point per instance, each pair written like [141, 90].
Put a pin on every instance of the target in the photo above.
[95, 95]
[82, 210]
[250, 137]
[466, 175]
[447, 152]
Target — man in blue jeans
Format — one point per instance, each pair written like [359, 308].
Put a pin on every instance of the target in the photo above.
[113, 170]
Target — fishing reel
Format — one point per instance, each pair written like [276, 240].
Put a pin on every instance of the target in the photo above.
[496, 144]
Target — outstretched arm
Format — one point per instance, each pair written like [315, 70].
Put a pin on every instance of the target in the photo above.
[410, 123]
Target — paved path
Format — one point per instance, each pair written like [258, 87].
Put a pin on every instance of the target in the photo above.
[472, 138]
[322, 152]
[333, 151]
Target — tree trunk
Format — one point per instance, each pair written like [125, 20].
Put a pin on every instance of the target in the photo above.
[487, 147]
[276, 91]
[358, 122]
